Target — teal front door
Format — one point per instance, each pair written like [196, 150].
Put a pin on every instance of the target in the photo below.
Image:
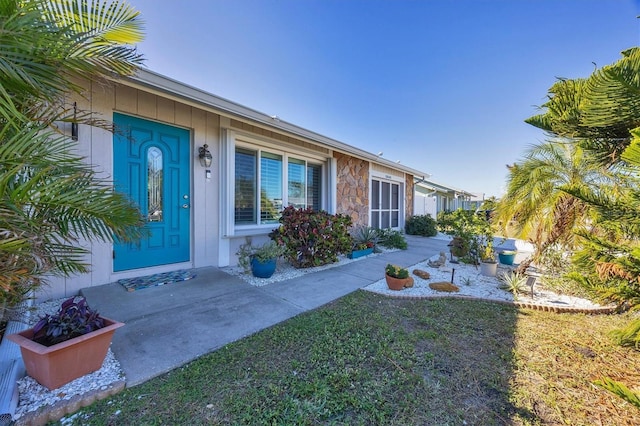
[151, 165]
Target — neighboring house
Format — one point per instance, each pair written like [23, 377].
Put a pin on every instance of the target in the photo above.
[199, 215]
[432, 198]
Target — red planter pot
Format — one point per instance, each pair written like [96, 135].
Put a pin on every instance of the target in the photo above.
[57, 365]
[396, 283]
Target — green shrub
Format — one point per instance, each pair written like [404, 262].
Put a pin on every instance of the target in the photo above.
[312, 238]
[622, 293]
[392, 239]
[472, 231]
[423, 225]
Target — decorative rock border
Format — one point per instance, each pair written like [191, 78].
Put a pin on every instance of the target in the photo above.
[604, 310]
[55, 412]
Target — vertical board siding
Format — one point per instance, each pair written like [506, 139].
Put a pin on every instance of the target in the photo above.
[183, 115]
[166, 110]
[126, 99]
[387, 170]
[147, 105]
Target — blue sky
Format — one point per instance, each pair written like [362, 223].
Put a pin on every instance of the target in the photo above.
[442, 86]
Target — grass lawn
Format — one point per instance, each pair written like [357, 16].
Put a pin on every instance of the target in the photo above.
[368, 359]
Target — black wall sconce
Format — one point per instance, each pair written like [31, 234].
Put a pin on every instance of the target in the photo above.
[205, 156]
[74, 123]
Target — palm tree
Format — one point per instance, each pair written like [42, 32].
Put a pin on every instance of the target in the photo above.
[51, 201]
[535, 206]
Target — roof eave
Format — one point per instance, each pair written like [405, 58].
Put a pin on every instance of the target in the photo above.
[159, 82]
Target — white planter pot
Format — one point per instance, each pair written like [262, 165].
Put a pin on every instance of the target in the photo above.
[488, 269]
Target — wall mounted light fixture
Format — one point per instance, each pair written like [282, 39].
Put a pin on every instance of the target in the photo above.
[74, 123]
[205, 156]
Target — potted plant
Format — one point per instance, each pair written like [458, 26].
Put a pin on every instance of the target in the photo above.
[507, 256]
[397, 277]
[365, 240]
[488, 263]
[67, 345]
[260, 260]
[360, 250]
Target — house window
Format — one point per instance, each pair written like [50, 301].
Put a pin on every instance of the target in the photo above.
[270, 187]
[314, 182]
[246, 184]
[298, 184]
[385, 204]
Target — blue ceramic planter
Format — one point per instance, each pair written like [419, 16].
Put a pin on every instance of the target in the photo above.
[507, 257]
[359, 253]
[263, 270]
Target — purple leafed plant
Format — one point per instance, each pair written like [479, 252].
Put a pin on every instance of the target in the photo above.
[74, 319]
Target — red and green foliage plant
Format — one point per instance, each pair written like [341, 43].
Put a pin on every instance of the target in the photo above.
[312, 238]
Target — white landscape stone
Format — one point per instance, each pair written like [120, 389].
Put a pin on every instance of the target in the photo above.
[473, 284]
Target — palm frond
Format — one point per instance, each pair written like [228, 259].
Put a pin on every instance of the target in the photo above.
[102, 30]
[620, 390]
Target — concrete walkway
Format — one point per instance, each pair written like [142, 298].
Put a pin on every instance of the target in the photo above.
[170, 325]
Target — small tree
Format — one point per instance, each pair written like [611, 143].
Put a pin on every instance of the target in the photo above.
[471, 231]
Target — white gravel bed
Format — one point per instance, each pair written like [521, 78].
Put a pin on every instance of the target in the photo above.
[32, 395]
[286, 271]
[471, 283]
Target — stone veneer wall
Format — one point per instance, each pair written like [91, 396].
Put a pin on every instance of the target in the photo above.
[408, 199]
[352, 195]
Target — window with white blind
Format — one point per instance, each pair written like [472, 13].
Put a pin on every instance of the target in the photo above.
[314, 188]
[270, 187]
[297, 184]
[264, 186]
[246, 187]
